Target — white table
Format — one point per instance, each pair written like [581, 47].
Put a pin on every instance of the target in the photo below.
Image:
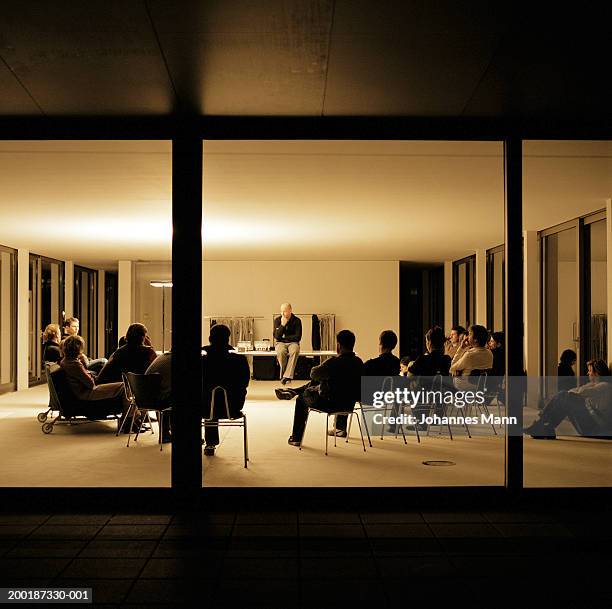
[273, 353]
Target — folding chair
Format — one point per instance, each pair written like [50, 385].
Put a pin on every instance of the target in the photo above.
[228, 421]
[347, 413]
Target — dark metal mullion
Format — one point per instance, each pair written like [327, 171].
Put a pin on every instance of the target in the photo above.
[186, 313]
[514, 328]
[583, 269]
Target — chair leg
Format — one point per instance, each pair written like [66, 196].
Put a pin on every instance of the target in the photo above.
[132, 425]
[361, 434]
[160, 420]
[335, 429]
[365, 424]
[304, 432]
[327, 433]
[125, 418]
[246, 450]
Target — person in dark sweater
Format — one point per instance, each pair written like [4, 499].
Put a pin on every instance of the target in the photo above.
[565, 371]
[335, 387]
[287, 337]
[496, 344]
[51, 344]
[135, 356]
[435, 361]
[224, 369]
[386, 364]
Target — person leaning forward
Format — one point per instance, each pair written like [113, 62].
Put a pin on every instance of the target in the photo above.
[287, 336]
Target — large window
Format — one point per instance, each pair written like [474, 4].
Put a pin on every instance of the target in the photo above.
[464, 291]
[8, 319]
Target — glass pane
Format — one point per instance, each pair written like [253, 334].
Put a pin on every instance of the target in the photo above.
[498, 292]
[127, 187]
[596, 346]
[461, 295]
[565, 182]
[265, 244]
[561, 297]
[7, 326]
[34, 319]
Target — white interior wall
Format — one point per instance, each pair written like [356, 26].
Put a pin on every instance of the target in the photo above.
[149, 301]
[448, 295]
[481, 287]
[101, 313]
[23, 311]
[125, 296]
[364, 295]
[68, 288]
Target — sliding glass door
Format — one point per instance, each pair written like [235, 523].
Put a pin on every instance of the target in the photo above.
[464, 291]
[560, 282]
[574, 282]
[86, 307]
[595, 322]
[8, 319]
[46, 303]
[496, 289]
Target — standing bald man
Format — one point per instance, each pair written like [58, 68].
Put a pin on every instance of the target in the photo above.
[287, 335]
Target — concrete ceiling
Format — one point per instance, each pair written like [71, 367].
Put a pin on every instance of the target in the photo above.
[305, 57]
[98, 202]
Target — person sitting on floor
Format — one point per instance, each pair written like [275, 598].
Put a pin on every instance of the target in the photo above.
[335, 387]
[565, 371]
[70, 327]
[386, 364]
[588, 407]
[51, 344]
[81, 382]
[220, 368]
[135, 356]
[471, 355]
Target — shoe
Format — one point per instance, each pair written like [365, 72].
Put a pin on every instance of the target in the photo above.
[285, 380]
[293, 442]
[540, 431]
[339, 433]
[209, 450]
[283, 394]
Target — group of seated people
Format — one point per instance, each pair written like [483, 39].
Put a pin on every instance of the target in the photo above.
[335, 384]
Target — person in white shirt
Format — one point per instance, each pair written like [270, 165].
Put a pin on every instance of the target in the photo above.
[588, 407]
[472, 354]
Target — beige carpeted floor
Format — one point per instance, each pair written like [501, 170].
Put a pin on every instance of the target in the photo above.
[91, 454]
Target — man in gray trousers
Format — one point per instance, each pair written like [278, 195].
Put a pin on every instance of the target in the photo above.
[287, 336]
